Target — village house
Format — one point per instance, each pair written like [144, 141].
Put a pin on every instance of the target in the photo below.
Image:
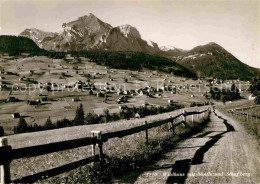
[137, 116]
[76, 99]
[251, 97]
[16, 115]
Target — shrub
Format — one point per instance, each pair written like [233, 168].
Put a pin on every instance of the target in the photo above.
[48, 124]
[48, 88]
[21, 127]
[91, 119]
[2, 132]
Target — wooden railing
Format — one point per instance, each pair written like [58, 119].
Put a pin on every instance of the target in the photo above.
[7, 153]
[247, 115]
[240, 111]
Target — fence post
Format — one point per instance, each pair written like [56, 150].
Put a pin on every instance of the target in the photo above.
[146, 133]
[183, 116]
[100, 144]
[192, 118]
[98, 134]
[5, 169]
[93, 145]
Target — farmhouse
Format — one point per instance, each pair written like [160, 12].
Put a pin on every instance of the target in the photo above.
[12, 99]
[16, 115]
[75, 99]
[137, 116]
[170, 101]
[32, 102]
[251, 97]
[123, 107]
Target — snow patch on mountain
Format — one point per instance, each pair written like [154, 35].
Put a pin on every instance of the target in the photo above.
[167, 48]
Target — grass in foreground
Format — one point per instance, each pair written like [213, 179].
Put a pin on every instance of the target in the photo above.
[130, 154]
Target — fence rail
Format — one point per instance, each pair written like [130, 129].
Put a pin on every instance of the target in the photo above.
[7, 153]
[245, 114]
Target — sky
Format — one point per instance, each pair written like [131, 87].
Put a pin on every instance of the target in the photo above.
[233, 24]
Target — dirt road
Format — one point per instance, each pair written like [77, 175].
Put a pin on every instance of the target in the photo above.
[222, 153]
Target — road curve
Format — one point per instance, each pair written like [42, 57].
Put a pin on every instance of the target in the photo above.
[222, 153]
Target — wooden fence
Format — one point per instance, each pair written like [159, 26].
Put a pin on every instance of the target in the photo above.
[245, 114]
[7, 153]
[240, 111]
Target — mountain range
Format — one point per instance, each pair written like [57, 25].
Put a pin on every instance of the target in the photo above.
[90, 33]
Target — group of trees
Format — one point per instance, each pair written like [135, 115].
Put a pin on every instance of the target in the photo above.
[15, 45]
[255, 89]
[86, 119]
[227, 94]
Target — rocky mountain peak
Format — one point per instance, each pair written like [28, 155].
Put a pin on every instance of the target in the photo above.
[128, 30]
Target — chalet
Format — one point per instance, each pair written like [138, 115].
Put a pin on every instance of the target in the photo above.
[54, 85]
[251, 97]
[145, 104]
[16, 115]
[3, 86]
[119, 93]
[170, 101]
[122, 99]
[137, 116]
[67, 86]
[78, 86]
[12, 99]
[22, 79]
[126, 92]
[158, 95]
[75, 99]
[32, 102]
[48, 83]
[99, 94]
[122, 107]
[44, 98]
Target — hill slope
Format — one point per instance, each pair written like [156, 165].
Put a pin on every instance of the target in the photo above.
[212, 60]
[14, 44]
[135, 61]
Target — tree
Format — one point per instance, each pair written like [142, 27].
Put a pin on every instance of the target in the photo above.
[80, 116]
[48, 88]
[235, 92]
[21, 127]
[255, 85]
[91, 119]
[257, 99]
[2, 132]
[48, 124]
[107, 115]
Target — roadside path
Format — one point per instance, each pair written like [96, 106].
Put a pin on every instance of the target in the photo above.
[222, 153]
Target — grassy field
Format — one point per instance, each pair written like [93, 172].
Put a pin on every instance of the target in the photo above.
[251, 124]
[253, 111]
